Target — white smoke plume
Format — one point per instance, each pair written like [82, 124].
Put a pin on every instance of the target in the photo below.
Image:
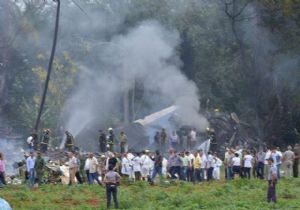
[146, 54]
[13, 152]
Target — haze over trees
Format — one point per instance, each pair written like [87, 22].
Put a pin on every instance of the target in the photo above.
[242, 55]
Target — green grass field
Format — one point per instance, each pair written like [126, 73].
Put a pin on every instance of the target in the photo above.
[237, 194]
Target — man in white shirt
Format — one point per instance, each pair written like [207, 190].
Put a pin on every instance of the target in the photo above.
[30, 163]
[126, 166]
[72, 167]
[209, 166]
[236, 165]
[276, 155]
[203, 165]
[136, 161]
[87, 169]
[247, 164]
[146, 164]
[217, 163]
[93, 172]
[267, 157]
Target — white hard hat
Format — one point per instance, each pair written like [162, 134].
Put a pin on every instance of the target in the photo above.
[110, 129]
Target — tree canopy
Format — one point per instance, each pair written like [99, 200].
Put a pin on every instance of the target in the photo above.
[243, 56]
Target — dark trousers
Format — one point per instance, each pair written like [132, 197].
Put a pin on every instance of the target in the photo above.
[44, 147]
[226, 173]
[295, 168]
[197, 175]
[122, 148]
[137, 175]
[260, 170]
[190, 174]
[210, 173]
[247, 172]
[271, 197]
[254, 171]
[78, 177]
[236, 170]
[242, 172]
[2, 178]
[111, 190]
[103, 147]
[87, 172]
[174, 170]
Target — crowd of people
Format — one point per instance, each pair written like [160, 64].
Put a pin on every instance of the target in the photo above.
[109, 141]
[167, 162]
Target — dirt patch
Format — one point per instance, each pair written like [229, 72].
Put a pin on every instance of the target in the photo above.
[93, 202]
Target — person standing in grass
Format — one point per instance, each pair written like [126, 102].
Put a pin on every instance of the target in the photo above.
[93, 172]
[78, 171]
[236, 165]
[197, 167]
[260, 159]
[30, 164]
[190, 170]
[136, 162]
[209, 166]
[226, 163]
[174, 164]
[39, 167]
[247, 164]
[277, 155]
[72, 167]
[146, 163]
[272, 181]
[296, 160]
[185, 165]
[288, 158]
[203, 165]
[217, 163]
[111, 181]
[87, 169]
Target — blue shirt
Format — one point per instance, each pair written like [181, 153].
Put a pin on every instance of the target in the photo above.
[30, 162]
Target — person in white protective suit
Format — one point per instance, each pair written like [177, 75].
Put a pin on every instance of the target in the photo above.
[126, 168]
[136, 162]
[147, 165]
[217, 163]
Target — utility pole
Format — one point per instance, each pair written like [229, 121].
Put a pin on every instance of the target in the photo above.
[37, 123]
